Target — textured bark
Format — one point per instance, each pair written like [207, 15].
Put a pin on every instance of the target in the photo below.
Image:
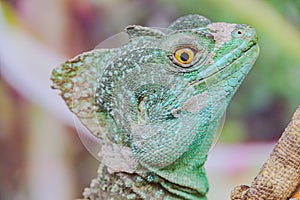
[280, 175]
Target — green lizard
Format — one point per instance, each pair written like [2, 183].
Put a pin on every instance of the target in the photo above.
[156, 104]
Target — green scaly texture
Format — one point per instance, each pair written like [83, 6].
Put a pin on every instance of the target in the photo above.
[157, 113]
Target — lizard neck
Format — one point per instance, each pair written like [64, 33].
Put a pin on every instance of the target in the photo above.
[186, 177]
[134, 186]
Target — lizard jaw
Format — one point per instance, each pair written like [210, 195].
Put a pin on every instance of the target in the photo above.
[210, 73]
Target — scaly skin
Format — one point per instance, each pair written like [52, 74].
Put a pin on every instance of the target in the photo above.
[156, 103]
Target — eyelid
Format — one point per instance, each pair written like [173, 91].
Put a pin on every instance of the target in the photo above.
[194, 49]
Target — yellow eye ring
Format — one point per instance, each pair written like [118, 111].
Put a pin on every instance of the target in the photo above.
[184, 56]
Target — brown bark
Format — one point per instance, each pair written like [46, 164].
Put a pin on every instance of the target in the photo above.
[280, 175]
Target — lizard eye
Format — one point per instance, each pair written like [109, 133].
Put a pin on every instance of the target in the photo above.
[184, 56]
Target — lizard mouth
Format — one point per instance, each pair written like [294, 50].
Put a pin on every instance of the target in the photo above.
[239, 54]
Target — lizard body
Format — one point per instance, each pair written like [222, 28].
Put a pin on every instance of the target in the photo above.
[156, 103]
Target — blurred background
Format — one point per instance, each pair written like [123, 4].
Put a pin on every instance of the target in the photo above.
[41, 155]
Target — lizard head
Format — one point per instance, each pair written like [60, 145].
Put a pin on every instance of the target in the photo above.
[165, 88]
[161, 95]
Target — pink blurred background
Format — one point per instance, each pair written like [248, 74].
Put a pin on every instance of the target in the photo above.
[41, 155]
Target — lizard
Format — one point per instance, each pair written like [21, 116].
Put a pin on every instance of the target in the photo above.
[156, 103]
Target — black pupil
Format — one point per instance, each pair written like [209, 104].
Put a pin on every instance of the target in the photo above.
[184, 57]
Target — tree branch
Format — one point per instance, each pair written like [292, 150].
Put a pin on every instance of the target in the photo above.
[280, 175]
